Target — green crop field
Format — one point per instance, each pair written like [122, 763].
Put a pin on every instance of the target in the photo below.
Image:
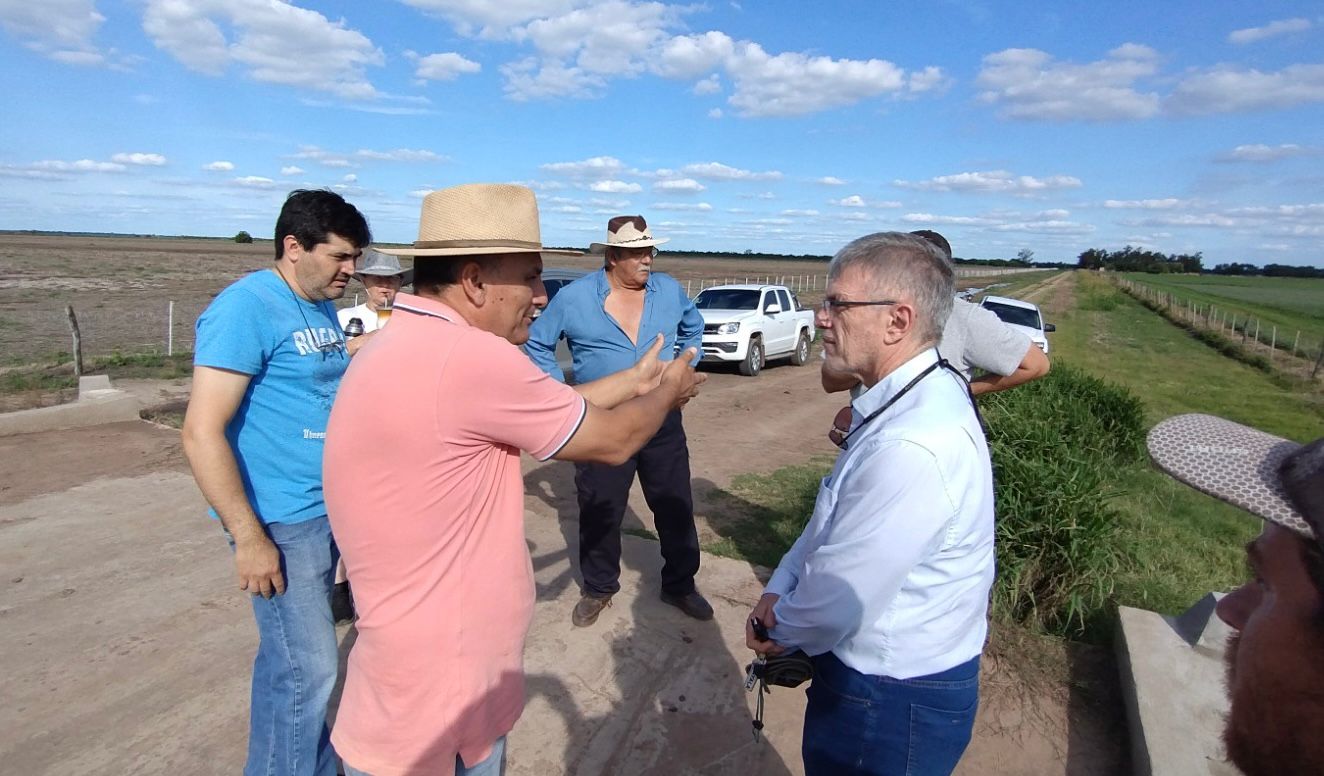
[1291, 304]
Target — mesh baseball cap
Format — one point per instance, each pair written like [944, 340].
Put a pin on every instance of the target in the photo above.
[1271, 477]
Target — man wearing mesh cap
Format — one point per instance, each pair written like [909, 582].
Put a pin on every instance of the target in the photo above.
[1275, 662]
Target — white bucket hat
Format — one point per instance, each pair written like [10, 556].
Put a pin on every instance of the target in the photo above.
[478, 219]
[629, 232]
[377, 263]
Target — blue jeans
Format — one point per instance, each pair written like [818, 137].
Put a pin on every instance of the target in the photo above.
[856, 724]
[494, 765]
[297, 660]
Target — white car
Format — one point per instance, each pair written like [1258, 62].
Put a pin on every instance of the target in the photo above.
[1022, 316]
[750, 324]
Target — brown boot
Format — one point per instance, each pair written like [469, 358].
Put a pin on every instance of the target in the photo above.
[587, 610]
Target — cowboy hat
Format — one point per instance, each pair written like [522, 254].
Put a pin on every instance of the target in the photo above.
[478, 219]
[629, 232]
[379, 264]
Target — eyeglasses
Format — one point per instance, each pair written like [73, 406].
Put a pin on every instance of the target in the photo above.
[829, 305]
[636, 253]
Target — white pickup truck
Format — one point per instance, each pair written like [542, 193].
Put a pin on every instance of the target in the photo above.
[752, 323]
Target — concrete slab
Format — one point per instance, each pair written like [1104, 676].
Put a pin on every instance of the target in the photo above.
[97, 403]
[1172, 679]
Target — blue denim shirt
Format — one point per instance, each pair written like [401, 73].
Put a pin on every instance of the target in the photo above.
[598, 345]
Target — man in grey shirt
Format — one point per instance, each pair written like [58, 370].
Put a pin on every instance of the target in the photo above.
[973, 338]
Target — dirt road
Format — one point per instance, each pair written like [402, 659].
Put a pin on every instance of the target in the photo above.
[126, 649]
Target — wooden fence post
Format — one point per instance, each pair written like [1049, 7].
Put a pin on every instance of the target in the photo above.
[78, 340]
[1295, 342]
[170, 328]
[1273, 344]
[1318, 361]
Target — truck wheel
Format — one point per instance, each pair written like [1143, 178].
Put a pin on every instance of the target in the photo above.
[753, 362]
[801, 355]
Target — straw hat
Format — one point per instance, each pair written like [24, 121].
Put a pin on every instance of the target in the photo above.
[477, 219]
[629, 232]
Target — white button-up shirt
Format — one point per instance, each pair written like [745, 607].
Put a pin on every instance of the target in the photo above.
[892, 573]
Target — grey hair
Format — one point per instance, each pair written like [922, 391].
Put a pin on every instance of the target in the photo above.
[906, 265]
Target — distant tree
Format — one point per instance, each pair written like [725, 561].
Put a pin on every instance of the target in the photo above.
[1025, 255]
[243, 237]
[1092, 259]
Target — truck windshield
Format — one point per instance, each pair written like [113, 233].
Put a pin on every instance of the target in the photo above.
[1017, 316]
[727, 299]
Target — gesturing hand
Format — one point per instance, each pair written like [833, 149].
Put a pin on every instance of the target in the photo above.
[681, 377]
[648, 370]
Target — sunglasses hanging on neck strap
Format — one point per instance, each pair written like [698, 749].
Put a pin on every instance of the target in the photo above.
[941, 363]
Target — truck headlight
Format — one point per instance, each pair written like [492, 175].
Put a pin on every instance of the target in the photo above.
[728, 328]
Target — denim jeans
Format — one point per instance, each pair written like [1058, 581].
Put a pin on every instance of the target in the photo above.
[856, 724]
[494, 765]
[297, 660]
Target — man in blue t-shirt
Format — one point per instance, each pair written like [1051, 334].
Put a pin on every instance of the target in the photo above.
[268, 360]
[610, 318]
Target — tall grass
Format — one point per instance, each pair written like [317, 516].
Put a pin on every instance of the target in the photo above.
[1057, 444]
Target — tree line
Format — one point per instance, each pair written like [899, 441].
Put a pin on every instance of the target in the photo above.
[1132, 259]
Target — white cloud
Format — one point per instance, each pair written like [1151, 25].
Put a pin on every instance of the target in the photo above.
[1029, 84]
[698, 207]
[420, 193]
[717, 171]
[223, 166]
[400, 155]
[800, 213]
[142, 160]
[594, 167]
[710, 85]
[1270, 30]
[994, 181]
[254, 182]
[854, 200]
[1266, 153]
[447, 66]
[528, 79]
[472, 17]
[82, 165]
[1236, 90]
[1045, 227]
[1052, 214]
[930, 218]
[1144, 204]
[614, 204]
[689, 56]
[615, 187]
[146, 99]
[793, 84]
[715, 113]
[829, 180]
[329, 57]
[680, 184]
[350, 178]
[59, 29]
[289, 169]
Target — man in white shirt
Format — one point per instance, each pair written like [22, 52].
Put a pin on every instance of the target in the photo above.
[381, 276]
[887, 588]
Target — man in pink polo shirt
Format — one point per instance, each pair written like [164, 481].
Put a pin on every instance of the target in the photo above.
[424, 491]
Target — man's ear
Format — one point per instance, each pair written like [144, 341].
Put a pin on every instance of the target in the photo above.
[473, 282]
[900, 322]
[292, 250]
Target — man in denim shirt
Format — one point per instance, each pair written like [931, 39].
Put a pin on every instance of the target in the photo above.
[610, 318]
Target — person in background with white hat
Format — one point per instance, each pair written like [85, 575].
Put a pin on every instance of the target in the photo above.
[382, 277]
[609, 318]
[426, 497]
[1275, 662]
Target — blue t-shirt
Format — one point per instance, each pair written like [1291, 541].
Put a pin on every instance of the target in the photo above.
[294, 350]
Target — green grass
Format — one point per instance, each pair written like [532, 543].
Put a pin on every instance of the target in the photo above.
[1291, 304]
[1011, 285]
[766, 513]
[149, 365]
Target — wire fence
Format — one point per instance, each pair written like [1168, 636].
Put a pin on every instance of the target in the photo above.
[41, 333]
[1294, 350]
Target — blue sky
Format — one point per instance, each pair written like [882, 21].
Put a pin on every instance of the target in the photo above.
[777, 126]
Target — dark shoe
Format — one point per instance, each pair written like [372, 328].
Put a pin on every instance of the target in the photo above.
[587, 610]
[693, 604]
[342, 603]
